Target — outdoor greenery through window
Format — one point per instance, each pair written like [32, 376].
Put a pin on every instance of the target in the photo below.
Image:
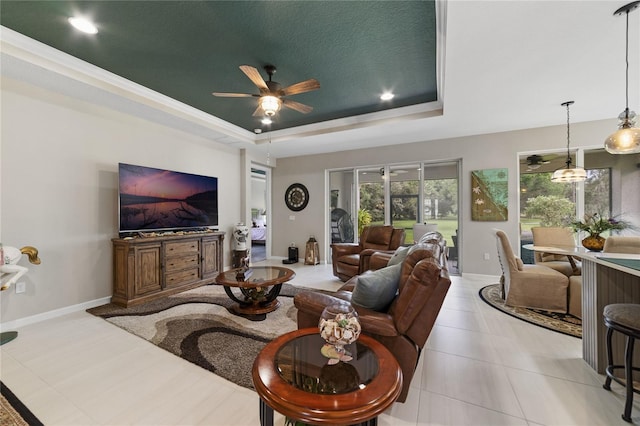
[440, 196]
[545, 203]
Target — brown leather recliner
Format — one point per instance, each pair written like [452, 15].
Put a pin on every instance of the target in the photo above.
[406, 325]
[350, 259]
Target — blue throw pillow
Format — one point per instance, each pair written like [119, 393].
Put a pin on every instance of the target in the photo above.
[377, 289]
[399, 255]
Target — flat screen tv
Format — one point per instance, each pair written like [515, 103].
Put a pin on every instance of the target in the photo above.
[163, 200]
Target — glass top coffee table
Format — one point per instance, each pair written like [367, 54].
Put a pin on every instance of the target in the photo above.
[293, 377]
[257, 292]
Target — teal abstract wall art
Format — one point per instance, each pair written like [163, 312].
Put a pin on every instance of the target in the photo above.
[489, 195]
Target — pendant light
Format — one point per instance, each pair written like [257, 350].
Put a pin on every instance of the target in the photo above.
[627, 139]
[569, 174]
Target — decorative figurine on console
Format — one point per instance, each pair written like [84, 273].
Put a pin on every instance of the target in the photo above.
[240, 250]
[240, 237]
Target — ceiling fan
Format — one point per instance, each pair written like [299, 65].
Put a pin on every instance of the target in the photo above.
[272, 95]
[535, 161]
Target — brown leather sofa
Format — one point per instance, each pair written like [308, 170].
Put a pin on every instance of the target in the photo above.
[350, 259]
[405, 326]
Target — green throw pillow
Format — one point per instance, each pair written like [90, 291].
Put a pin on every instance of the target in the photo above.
[399, 255]
[377, 289]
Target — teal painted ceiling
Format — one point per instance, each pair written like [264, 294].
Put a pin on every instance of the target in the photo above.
[189, 49]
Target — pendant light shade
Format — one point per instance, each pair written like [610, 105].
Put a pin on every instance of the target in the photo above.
[576, 174]
[627, 139]
[569, 174]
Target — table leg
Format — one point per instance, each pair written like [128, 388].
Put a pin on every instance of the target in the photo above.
[572, 262]
[266, 414]
[370, 422]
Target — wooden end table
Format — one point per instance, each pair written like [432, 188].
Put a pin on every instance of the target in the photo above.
[258, 292]
[292, 377]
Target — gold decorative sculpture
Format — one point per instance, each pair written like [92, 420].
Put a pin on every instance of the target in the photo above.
[10, 267]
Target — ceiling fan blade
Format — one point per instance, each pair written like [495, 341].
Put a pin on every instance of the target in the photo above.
[258, 112]
[302, 87]
[254, 76]
[232, 95]
[305, 109]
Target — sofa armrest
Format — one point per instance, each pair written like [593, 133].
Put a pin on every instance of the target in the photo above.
[380, 259]
[343, 249]
[373, 322]
[365, 257]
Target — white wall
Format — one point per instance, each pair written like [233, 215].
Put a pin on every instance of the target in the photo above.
[59, 175]
[477, 152]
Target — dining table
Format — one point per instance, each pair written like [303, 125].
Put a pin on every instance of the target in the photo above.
[607, 278]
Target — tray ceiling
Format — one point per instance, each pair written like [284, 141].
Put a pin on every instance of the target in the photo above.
[187, 49]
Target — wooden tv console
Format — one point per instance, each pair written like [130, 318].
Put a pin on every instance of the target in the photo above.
[148, 268]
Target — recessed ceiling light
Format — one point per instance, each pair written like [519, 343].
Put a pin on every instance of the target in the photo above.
[83, 25]
[387, 96]
[266, 120]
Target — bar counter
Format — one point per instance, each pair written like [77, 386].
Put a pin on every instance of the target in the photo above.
[606, 278]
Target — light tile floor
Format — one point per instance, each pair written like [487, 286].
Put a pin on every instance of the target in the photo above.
[480, 367]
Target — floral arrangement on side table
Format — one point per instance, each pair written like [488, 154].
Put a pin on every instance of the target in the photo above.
[594, 224]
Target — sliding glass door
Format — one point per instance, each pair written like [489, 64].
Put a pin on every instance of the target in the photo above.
[371, 197]
[342, 206]
[401, 195]
[404, 189]
[440, 188]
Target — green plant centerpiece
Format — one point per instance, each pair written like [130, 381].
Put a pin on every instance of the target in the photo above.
[594, 225]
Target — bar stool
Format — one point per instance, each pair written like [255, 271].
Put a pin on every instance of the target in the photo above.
[623, 318]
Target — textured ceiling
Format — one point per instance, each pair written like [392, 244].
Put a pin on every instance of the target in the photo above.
[188, 49]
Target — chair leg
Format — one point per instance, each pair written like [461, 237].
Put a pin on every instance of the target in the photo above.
[628, 370]
[609, 371]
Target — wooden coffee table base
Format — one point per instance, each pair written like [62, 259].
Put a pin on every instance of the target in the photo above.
[255, 291]
[252, 308]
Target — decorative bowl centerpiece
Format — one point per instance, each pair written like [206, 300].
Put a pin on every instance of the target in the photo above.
[339, 326]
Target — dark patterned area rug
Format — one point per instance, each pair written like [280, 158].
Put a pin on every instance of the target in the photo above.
[13, 412]
[561, 323]
[197, 326]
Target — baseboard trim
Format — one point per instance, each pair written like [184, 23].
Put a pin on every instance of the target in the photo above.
[479, 276]
[22, 322]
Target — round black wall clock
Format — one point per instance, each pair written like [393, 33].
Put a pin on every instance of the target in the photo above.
[296, 197]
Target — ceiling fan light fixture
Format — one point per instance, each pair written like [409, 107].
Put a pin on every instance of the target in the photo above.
[270, 105]
[626, 140]
[569, 174]
[267, 121]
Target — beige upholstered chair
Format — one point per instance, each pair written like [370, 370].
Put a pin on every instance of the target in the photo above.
[575, 295]
[622, 245]
[553, 237]
[530, 286]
